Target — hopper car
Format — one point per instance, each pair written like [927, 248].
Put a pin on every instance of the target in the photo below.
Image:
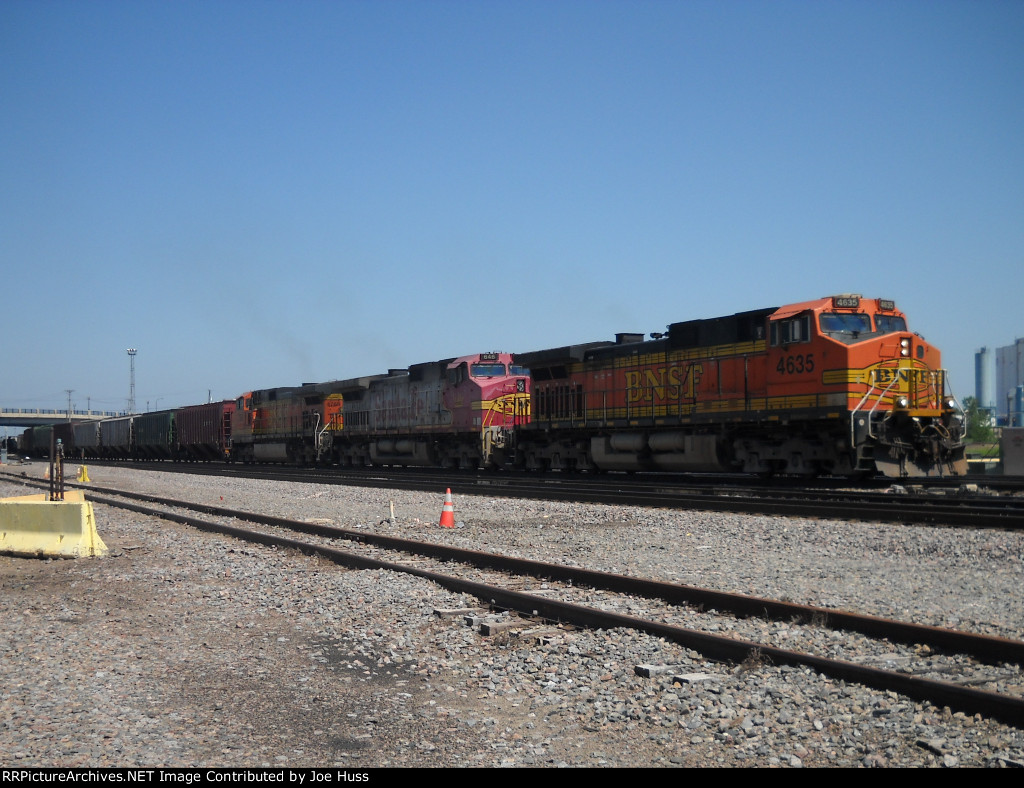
[194, 432]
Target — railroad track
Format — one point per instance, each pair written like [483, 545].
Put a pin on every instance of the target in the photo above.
[945, 667]
[951, 506]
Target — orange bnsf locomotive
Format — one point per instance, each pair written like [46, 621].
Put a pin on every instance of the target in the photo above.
[837, 385]
[457, 413]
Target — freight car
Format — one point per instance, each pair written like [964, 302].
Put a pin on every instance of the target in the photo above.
[25, 443]
[194, 432]
[204, 431]
[35, 441]
[117, 438]
[458, 412]
[155, 435]
[837, 385]
[87, 440]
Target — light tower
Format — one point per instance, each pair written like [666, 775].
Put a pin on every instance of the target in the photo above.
[131, 391]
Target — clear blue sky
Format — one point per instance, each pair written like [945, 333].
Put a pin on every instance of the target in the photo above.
[258, 194]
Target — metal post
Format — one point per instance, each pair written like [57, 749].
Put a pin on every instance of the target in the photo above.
[56, 469]
[131, 392]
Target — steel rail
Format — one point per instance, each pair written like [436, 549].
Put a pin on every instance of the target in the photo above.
[956, 641]
[1006, 708]
[978, 645]
[975, 644]
[969, 511]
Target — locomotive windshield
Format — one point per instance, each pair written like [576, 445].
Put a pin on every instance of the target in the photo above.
[515, 369]
[845, 323]
[487, 370]
[887, 324]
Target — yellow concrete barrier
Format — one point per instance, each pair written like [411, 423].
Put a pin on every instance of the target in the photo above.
[30, 525]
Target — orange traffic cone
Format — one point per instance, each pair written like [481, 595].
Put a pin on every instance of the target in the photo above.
[448, 511]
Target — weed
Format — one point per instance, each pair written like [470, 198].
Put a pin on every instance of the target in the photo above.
[754, 660]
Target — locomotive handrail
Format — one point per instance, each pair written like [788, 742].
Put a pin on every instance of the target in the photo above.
[856, 409]
[319, 436]
[959, 407]
[934, 381]
[871, 413]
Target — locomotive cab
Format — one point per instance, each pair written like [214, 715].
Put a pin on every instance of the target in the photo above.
[488, 396]
[855, 360]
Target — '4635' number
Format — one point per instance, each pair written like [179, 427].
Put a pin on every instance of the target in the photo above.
[795, 365]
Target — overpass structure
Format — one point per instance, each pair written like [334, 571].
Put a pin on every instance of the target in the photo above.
[36, 417]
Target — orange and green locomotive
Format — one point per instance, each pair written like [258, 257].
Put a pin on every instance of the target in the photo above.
[837, 385]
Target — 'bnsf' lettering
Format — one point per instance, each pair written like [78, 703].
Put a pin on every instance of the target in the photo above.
[659, 384]
[884, 377]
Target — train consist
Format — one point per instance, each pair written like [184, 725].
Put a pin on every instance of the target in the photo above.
[459, 412]
[837, 385]
[195, 432]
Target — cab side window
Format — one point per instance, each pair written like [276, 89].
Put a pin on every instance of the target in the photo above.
[458, 375]
[791, 331]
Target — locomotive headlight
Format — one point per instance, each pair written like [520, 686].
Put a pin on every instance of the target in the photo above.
[950, 403]
[904, 347]
[902, 402]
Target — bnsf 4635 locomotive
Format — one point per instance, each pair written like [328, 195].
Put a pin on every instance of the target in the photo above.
[837, 385]
[456, 413]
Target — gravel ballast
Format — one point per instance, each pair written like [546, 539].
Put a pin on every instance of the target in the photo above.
[189, 649]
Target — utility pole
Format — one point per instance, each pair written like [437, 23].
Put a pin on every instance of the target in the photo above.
[131, 391]
[69, 402]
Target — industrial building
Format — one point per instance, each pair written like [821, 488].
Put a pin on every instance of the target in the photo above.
[999, 382]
